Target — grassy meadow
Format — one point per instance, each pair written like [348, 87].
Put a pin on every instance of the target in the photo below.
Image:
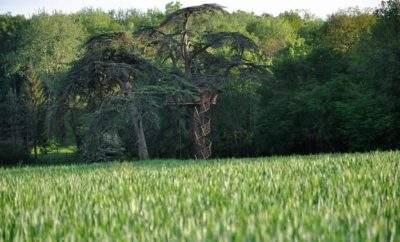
[338, 197]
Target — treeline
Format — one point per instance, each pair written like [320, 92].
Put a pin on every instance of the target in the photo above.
[334, 84]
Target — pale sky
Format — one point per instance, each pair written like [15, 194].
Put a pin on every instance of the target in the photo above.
[319, 7]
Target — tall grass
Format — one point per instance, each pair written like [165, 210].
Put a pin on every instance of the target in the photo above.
[349, 197]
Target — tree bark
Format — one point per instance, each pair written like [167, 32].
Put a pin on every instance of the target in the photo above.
[74, 127]
[199, 122]
[185, 47]
[138, 126]
[141, 138]
[193, 129]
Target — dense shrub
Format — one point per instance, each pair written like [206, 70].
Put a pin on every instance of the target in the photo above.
[12, 153]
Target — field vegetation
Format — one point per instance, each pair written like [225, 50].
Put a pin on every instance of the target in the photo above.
[348, 197]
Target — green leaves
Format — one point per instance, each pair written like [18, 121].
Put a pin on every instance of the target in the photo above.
[235, 40]
[110, 63]
[182, 15]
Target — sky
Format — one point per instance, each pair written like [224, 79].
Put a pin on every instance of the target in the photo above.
[321, 8]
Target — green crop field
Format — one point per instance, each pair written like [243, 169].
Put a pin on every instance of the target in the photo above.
[348, 197]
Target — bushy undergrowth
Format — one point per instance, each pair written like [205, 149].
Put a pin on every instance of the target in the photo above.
[12, 153]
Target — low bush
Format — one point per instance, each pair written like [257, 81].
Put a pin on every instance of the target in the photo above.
[12, 153]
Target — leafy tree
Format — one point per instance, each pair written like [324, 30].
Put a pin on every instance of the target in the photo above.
[303, 107]
[113, 82]
[343, 30]
[46, 47]
[95, 21]
[378, 63]
[273, 33]
[14, 126]
[10, 28]
[335, 83]
[203, 59]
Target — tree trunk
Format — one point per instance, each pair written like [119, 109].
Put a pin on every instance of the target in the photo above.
[141, 138]
[193, 124]
[74, 127]
[200, 127]
[185, 47]
[138, 126]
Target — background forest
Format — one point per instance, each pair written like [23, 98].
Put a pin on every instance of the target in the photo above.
[330, 85]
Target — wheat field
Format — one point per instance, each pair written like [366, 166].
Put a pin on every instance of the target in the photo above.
[332, 197]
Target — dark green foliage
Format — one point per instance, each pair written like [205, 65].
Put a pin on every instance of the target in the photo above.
[10, 30]
[235, 39]
[333, 85]
[339, 93]
[235, 119]
[182, 14]
[12, 153]
[108, 80]
[15, 131]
